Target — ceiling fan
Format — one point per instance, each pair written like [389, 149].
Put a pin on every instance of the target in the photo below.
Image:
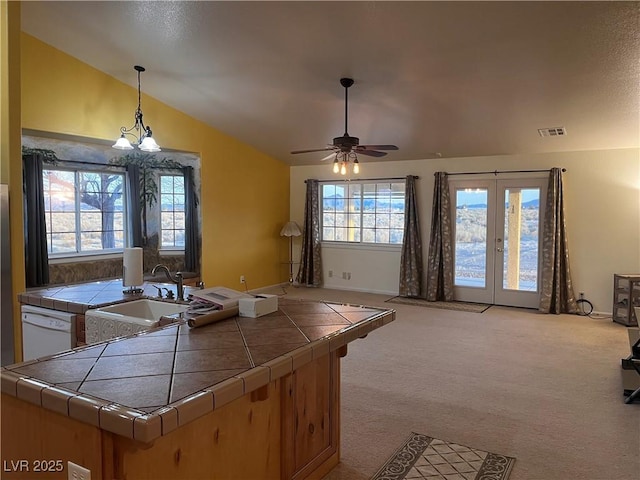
[347, 144]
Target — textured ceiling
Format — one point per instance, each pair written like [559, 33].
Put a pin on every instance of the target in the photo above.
[454, 78]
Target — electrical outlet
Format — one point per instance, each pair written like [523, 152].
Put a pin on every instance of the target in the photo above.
[76, 472]
[241, 278]
[344, 275]
[330, 273]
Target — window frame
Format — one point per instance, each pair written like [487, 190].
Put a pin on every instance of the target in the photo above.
[79, 254]
[171, 249]
[361, 243]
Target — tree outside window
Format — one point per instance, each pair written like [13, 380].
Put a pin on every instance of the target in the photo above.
[85, 210]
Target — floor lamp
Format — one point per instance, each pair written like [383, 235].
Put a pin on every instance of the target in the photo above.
[291, 229]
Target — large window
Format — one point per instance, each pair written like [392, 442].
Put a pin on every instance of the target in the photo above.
[172, 211]
[85, 211]
[363, 212]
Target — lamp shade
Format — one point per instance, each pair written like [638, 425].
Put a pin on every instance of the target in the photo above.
[291, 229]
[149, 145]
[123, 144]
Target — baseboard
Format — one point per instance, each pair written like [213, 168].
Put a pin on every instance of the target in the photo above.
[282, 285]
[361, 290]
[286, 285]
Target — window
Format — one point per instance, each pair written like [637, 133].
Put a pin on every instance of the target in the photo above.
[172, 211]
[84, 211]
[363, 212]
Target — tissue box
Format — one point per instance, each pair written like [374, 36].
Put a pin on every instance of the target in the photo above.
[257, 306]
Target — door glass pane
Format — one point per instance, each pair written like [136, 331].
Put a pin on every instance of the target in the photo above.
[521, 232]
[471, 237]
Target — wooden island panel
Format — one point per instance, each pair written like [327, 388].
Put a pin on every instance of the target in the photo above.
[32, 434]
[310, 435]
[241, 440]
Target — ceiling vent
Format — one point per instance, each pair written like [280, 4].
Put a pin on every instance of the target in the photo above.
[552, 132]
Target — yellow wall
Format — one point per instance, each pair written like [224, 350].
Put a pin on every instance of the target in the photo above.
[245, 193]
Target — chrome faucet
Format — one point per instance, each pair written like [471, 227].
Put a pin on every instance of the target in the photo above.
[177, 279]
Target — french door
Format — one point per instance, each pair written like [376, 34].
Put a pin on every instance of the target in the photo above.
[498, 233]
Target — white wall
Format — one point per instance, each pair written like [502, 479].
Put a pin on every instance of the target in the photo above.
[602, 198]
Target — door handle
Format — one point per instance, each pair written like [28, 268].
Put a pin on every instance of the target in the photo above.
[499, 249]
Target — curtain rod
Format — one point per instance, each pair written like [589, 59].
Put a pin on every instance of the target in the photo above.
[368, 179]
[109, 165]
[82, 162]
[496, 172]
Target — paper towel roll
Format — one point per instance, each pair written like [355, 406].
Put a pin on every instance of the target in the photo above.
[132, 274]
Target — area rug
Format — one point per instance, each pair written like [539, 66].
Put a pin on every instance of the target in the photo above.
[423, 457]
[461, 306]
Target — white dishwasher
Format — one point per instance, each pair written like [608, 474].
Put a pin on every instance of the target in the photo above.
[46, 331]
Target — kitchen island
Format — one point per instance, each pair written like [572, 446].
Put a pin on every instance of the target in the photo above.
[244, 398]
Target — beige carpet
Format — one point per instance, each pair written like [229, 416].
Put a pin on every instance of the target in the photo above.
[545, 389]
[460, 306]
[425, 458]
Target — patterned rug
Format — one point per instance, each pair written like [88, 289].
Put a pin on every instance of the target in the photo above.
[422, 457]
[461, 306]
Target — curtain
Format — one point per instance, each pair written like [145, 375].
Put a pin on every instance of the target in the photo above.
[440, 259]
[556, 295]
[411, 257]
[36, 256]
[135, 204]
[191, 240]
[310, 271]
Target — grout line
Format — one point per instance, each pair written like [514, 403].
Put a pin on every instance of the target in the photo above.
[173, 365]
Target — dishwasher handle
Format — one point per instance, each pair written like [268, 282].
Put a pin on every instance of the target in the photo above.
[50, 323]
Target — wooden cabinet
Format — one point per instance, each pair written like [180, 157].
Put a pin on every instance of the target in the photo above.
[310, 412]
[626, 295]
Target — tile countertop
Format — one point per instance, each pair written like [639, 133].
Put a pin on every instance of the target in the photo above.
[147, 385]
[83, 296]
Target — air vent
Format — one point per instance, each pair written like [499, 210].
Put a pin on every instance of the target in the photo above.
[552, 132]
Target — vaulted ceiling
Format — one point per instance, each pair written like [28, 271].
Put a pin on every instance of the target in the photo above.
[435, 78]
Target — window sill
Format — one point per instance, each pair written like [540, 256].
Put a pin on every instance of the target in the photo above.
[170, 253]
[362, 246]
[78, 257]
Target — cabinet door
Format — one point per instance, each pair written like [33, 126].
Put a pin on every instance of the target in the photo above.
[310, 437]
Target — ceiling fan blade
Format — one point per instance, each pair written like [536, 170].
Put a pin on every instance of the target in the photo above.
[379, 147]
[371, 153]
[331, 155]
[313, 150]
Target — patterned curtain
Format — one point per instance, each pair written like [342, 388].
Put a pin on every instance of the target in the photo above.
[411, 258]
[35, 235]
[556, 294]
[135, 204]
[440, 260]
[191, 235]
[310, 271]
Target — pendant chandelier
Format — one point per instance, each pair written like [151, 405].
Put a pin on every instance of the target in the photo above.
[342, 160]
[139, 132]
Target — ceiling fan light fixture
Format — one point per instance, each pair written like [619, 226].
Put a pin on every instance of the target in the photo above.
[139, 132]
[346, 146]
